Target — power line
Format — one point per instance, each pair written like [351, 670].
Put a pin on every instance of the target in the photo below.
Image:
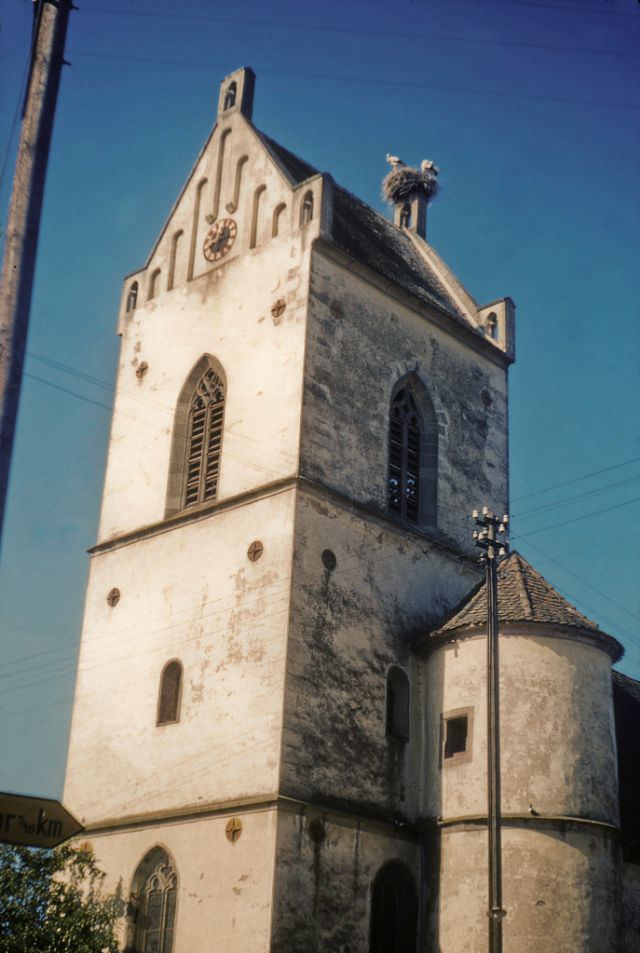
[589, 585]
[599, 545]
[574, 499]
[359, 31]
[65, 390]
[576, 519]
[585, 476]
[556, 6]
[369, 80]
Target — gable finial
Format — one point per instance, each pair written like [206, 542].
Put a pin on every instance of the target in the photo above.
[236, 93]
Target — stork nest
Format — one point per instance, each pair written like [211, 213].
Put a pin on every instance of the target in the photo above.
[403, 182]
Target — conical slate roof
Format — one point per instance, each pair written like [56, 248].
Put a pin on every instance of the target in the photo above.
[523, 596]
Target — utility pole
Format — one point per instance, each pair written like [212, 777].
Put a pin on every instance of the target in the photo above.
[487, 538]
[23, 223]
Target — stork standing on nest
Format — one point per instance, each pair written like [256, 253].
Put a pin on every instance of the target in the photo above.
[410, 190]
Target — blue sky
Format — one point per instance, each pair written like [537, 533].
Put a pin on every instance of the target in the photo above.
[532, 112]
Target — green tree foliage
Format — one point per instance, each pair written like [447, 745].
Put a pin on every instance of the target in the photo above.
[53, 902]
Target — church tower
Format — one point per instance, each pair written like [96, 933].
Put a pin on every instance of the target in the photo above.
[308, 407]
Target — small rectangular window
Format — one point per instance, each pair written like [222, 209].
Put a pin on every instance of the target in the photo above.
[456, 734]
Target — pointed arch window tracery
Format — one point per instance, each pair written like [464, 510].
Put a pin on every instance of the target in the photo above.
[412, 462]
[405, 444]
[204, 439]
[153, 905]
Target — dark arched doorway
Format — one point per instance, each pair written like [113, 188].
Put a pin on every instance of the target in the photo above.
[394, 910]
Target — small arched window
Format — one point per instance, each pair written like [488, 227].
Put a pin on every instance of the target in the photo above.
[230, 95]
[176, 241]
[413, 454]
[276, 224]
[306, 209]
[394, 910]
[491, 325]
[154, 283]
[255, 215]
[204, 439]
[152, 907]
[398, 707]
[405, 216]
[170, 693]
[132, 296]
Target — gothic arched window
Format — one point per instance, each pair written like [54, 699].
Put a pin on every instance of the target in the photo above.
[204, 439]
[413, 454]
[194, 469]
[152, 908]
[394, 910]
[306, 209]
[170, 694]
[398, 711]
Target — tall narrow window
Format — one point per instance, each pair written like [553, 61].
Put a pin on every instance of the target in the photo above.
[278, 215]
[394, 910]
[204, 440]
[175, 244]
[397, 704]
[154, 283]
[195, 224]
[306, 209]
[132, 296]
[170, 694]
[232, 206]
[230, 95]
[255, 216]
[405, 444]
[152, 910]
[413, 454]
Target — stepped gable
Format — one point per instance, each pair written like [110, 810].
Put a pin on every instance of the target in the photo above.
[372, 239]
[523, 596]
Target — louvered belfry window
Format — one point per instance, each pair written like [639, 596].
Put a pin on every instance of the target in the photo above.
[405, 450]
[204, 440]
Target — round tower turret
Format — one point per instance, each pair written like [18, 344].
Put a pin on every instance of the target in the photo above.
[559, 781]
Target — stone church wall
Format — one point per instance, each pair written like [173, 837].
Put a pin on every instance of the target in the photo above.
[360, 342]
[349, 624]
[225, 888]
[191, 594]
[326, 863]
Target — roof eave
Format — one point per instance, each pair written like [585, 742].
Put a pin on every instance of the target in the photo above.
[444, 319]
[436, 639]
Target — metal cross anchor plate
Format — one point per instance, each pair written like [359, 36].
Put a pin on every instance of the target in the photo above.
[255, 550]
[233, 829]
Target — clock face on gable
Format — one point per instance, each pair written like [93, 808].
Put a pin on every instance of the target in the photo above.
[219, 239]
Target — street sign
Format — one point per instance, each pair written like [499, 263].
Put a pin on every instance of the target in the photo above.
[35, 821]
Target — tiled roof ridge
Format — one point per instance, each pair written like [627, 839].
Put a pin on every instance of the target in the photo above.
[524, 596]
[521, 582]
